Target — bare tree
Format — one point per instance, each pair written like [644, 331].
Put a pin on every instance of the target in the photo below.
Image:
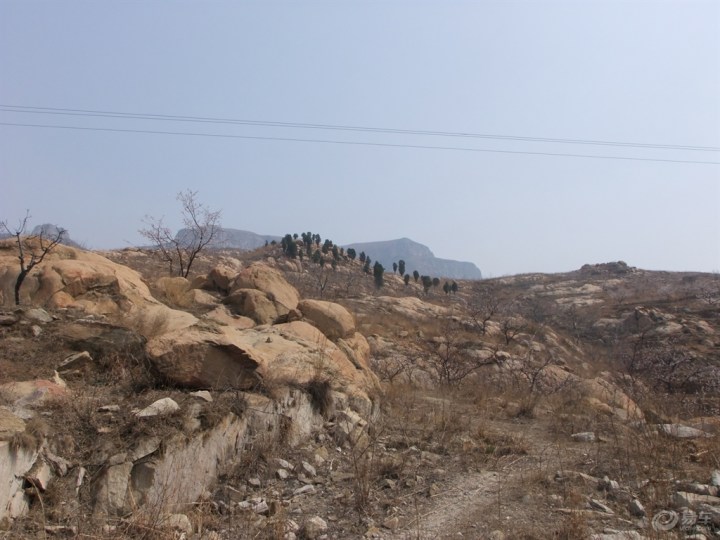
[31, 249]
[484, 304]
[202, 227]
[448, 355]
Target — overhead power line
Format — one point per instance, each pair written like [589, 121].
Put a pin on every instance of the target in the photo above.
[336, 127]
[358, 143]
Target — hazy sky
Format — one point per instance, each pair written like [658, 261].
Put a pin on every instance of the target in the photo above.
[626, 71]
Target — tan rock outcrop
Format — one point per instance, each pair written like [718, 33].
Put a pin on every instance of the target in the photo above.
[225, 357]
[270, 281]
[254, 304]
[332, 319]
[610, 394]
[73, 278]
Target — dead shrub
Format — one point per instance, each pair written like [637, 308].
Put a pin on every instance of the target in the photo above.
[320, 391]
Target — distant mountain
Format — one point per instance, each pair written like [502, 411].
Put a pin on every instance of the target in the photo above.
[48, 230]
[417, 257]
[235, 238]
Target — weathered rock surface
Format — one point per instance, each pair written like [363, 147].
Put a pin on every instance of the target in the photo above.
[73, 278]
[271, 282]
[225, 357]
[332, 319]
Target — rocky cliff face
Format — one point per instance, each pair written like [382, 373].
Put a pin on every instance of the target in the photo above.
[417, 257]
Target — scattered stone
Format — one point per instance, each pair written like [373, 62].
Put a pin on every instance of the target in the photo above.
[496, 535]
[621, 535]
[144, 447]
[254, 482]
[117, 459]
[715, 478]
[75, 361]
[679, 431]
[203, 394]
[282, 474]
[309, 468]
[314, 527]
[683, 498]
[8, 320]
[37, 315]
[35, 330]
[307, 488]
[585, 436]
[391, 523]
[162, 407]
[59, 465]
[39, 475]
[637, 509]
[178, 522]
[597, 505]
[109, 408]
[284, 464]
[608, 485]
[61, 530]
[699, 489]
[261, 508]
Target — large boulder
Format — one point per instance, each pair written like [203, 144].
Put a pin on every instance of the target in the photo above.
[73, 278]
[270, 281]
[254, 304]
[225, 357]
[332, 319]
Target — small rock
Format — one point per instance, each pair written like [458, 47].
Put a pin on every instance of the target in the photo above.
[179, 522]
[391, 523]
[75, 361]
[597, 505]
[8, 320]
[683, 498]
[715, 478]
[322, 452]
[309, 468]
[314, 527]
[496, 535]
[585, 436]
[282, 474]
[254, 482]
[162, 407]
[679, 431]
[203, 394]
[117, 459]
[61, 530]
[307, 488]
[109, 408]
[35, 330]
[261, 508]
[284, 464]
[387, 483]
[434, 490]
[608, 485]
[636, 508]
[37, 315]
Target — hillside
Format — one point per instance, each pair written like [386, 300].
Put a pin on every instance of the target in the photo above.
[417, 257]
[271, 397]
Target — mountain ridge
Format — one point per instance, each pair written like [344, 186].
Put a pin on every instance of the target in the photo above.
[418, 257]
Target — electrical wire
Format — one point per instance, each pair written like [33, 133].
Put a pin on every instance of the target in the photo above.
[334, 127]
[358, 143]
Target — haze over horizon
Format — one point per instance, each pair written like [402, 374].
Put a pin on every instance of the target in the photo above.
[299, 74]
